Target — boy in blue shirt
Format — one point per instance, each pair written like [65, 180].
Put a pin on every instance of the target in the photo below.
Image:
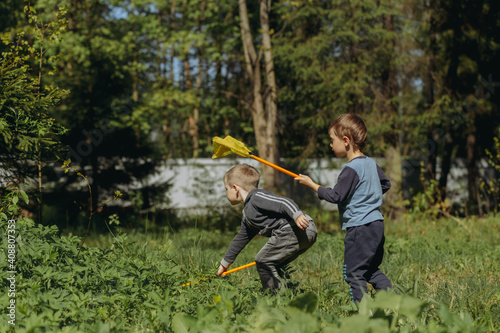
[358, 193]
[290, 231]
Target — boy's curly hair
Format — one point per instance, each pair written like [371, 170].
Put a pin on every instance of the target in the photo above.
[243, 175]
[353, 127]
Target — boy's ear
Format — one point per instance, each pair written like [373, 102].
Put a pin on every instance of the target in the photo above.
[237, 189]
[347, 142]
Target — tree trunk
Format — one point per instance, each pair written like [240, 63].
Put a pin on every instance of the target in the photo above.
[193, 126]
[193, 122]
[263, 115]
[172, 49]
[162, 70]
[430, 168]
[40, 162]
[135, 79]
[92, 159]
[272, 152]
[392, 154]
[472, 172]
[445, 165]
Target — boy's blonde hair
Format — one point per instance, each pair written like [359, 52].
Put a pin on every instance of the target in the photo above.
[353, 127]
[243, 175]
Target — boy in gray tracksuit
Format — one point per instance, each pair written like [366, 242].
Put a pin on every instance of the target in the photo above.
[290, 231]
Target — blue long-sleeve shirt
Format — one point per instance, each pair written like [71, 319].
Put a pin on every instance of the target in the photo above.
[358, 192]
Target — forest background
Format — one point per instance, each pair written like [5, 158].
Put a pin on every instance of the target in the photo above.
[122, 88]
[119, 87]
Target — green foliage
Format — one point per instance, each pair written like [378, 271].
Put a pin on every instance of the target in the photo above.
[114, 219]
[490, 189]
[137, 287]
[332, 57]
[154, 79]
[430, 202]
[28, 131]
[10, 202]
[58, 290]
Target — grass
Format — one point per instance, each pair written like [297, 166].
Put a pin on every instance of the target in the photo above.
[445, 273]
[448, 261]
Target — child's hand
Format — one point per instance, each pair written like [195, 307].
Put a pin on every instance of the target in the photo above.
[302, 222]
[307, 181]
[221, 270]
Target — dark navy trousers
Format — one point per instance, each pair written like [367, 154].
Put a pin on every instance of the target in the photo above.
[363, 254]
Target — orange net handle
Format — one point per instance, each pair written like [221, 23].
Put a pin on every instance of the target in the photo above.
[294, 175]
[238, 268]
[223, 274]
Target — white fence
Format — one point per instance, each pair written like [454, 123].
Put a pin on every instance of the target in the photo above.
[197, 183]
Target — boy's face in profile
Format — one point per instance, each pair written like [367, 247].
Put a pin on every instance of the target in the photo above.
[337, 144]
[231, 194]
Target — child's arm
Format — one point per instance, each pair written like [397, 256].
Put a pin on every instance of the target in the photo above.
[307, 181]
[346, 184]
[269, 203]
[222, 269]
[384, 181]
[244, 236]
[302, 222]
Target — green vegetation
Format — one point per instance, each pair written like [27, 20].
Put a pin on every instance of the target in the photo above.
[445, 273]
[121, 86]
[136, 82]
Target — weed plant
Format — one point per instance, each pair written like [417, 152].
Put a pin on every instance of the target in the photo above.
[445, 273]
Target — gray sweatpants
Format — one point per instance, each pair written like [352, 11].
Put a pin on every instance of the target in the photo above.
[285, 245]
